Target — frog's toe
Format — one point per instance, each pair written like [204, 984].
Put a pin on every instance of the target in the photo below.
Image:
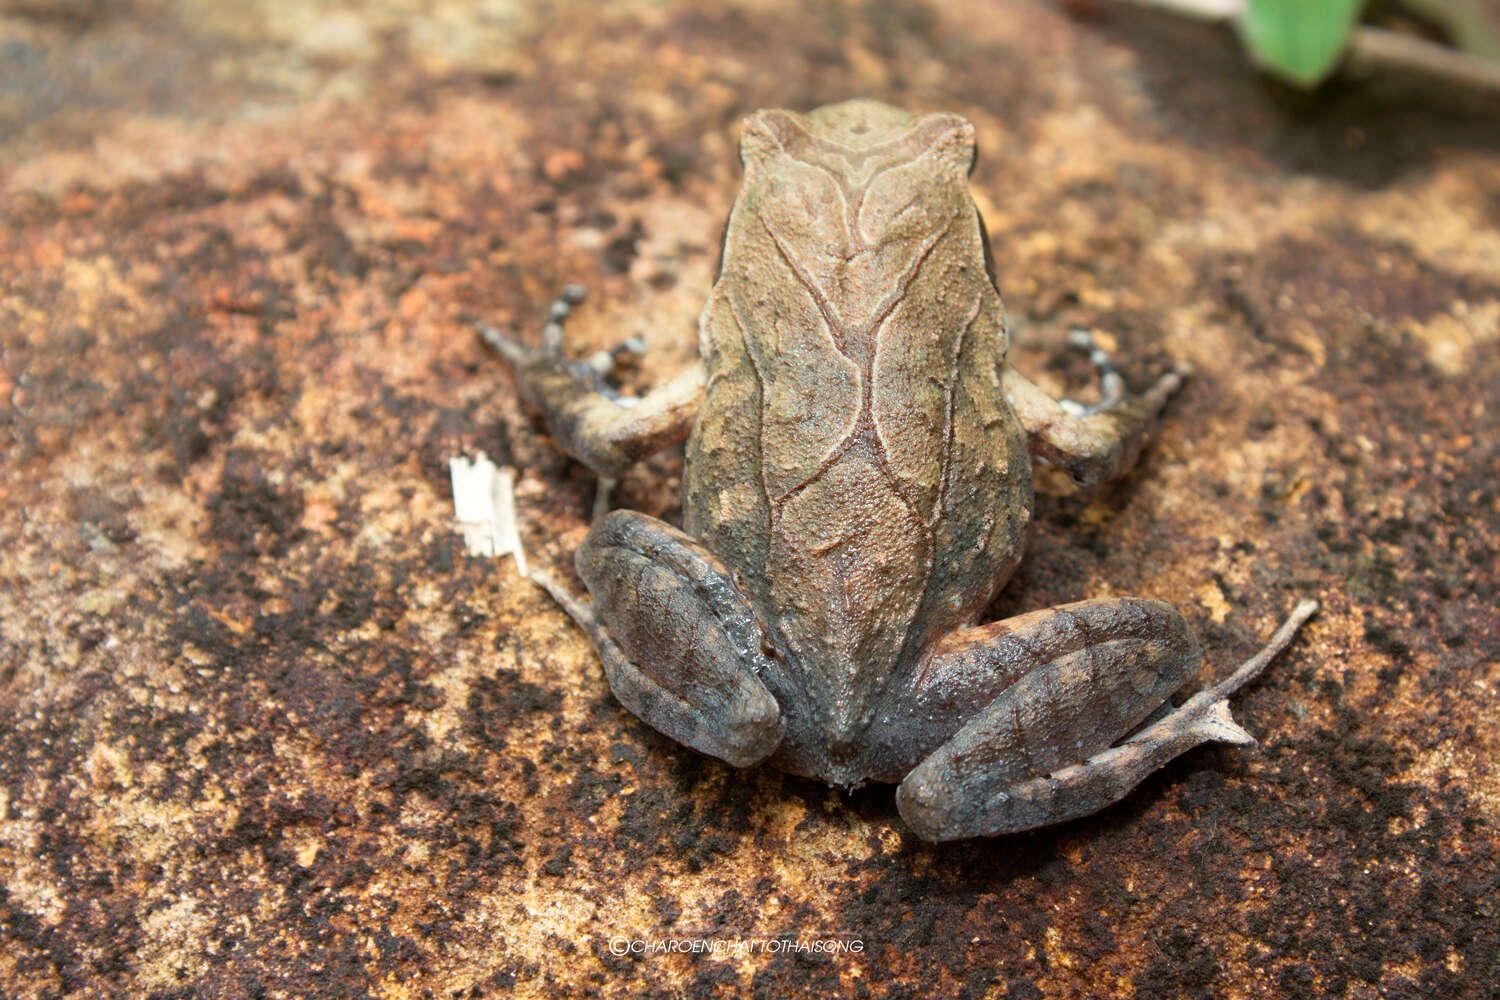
[557, 314]
[751, 729]
[927, 806]
[501, 344]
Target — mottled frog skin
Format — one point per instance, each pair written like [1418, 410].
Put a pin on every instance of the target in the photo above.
[854, 458]
[857, 489]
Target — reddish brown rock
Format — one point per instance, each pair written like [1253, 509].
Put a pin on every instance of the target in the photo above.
[266, 731]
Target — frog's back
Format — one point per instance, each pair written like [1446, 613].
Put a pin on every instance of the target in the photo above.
[854, 458]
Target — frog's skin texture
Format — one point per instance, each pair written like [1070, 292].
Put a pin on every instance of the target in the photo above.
[857, 489]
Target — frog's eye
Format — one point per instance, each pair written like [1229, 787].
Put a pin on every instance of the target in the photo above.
[723, 244]
[761, 136]
[953, 142]
[989, 252]
[754, 141]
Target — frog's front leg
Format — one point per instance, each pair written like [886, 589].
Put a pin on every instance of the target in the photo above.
[1049, 697]
[1091, 444]
[680, 644]
[587, 418]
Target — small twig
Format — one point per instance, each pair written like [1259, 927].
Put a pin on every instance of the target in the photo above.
[1198, 10]
[1252, 667]
[1370, 50]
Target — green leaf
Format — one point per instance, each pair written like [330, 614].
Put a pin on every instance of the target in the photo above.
[1300, 41]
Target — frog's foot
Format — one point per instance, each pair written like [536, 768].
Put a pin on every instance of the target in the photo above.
[1111, 382]
[680, 644]
[587, 417]
[602, 362]
[606, 360]
[1096, 442]
[547, 357]
[1063, 741]
[552, 330]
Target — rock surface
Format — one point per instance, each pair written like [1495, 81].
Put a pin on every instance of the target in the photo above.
[267, 731]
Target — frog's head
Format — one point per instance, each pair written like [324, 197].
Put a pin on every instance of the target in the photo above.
[856, 139]
[859, 124]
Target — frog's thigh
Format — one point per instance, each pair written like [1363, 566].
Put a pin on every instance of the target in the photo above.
[1038, 752]
[680, 644]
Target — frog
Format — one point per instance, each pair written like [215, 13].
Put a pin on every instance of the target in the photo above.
[858, 483]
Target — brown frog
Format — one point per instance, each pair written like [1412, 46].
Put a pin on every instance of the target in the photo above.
[857, 489]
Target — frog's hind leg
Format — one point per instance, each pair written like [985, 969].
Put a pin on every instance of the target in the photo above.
[680, 644]
[1052, 745]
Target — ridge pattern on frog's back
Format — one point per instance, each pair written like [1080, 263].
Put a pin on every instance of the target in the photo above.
[854, 445]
